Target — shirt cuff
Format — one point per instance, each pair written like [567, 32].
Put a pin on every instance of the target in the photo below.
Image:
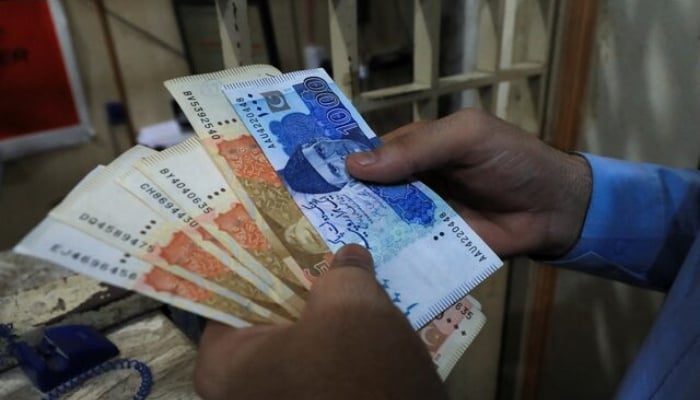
[623, 229]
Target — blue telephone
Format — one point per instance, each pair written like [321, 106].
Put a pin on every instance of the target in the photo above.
[64, 353]
[69, 355]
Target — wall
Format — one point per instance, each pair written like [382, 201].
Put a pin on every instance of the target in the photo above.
[642, 105]
[33, 185]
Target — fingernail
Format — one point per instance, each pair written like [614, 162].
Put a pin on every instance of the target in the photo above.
[364, 158]
[353, 255]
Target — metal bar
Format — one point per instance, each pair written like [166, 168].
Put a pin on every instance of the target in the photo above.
[234, 31]
[552, 27]
[342, 16]
[116, 69]
[426, 55]
[412, 92]
[268, 32]
[505, 55]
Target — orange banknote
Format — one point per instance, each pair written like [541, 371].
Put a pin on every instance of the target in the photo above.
[133, 227]
[80, 252]
[246, 168]
[190, 245]
[449, 334]
[186, 175]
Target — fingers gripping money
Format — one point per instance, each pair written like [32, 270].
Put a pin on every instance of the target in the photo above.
[238, 223]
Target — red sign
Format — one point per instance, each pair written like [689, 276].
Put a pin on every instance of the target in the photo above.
[35, 90]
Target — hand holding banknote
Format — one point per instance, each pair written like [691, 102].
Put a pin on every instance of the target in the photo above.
[237, 224]
[350, 343]
[520, 195]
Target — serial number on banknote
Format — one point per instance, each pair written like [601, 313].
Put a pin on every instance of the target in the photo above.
[168, 205]
[255, 125]
[92, 261]
[182, 186]
[202, 115]
[464, 310]
[462, 237]
[111, 229]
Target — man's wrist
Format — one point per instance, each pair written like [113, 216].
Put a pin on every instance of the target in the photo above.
[571, 206]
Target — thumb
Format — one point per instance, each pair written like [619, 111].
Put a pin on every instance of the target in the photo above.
[353, 255]
[349, 282]
[418, 148]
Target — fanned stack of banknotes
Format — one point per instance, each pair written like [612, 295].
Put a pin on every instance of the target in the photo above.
[236, 224]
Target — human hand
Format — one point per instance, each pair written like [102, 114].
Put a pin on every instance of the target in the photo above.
[351, 342]
[520, 195]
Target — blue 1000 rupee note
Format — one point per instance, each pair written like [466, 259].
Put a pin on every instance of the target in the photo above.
[426, 256]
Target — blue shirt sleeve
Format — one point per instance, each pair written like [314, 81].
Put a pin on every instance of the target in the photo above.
[641, 221]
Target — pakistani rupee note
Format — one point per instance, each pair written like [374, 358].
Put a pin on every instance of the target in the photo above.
[426, 256]
[246, 169]
[80, 252]
[102, 208]
[446, 337]
[449, 334]
[189, 246]
[188, 176]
